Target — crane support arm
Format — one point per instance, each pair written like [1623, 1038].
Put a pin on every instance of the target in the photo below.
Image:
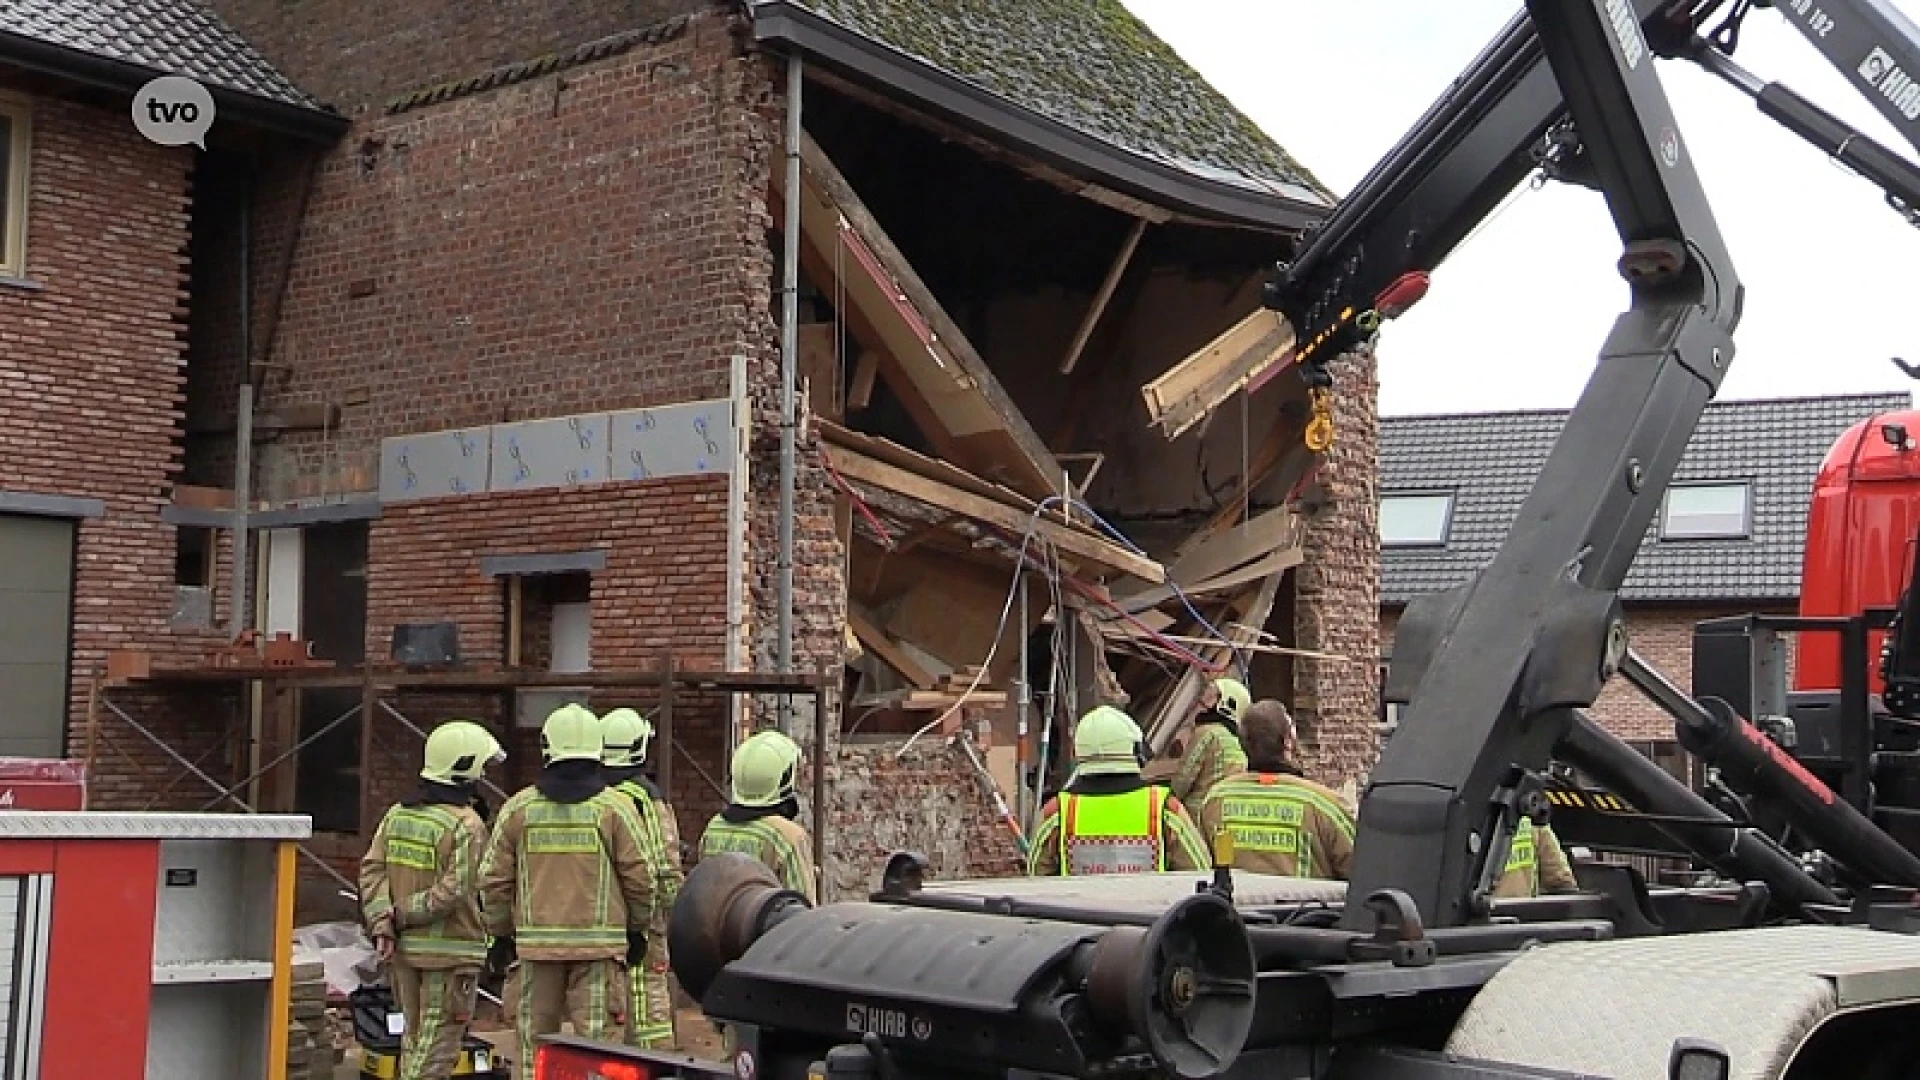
[1875, 46]
[1500, 664]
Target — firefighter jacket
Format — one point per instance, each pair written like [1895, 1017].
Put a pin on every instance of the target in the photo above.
[1535, 864]
[421, 875]
[568, 880]
[663, 848]
[1282, 823]
[1115, 825]
[771, 837]
[1214, 755]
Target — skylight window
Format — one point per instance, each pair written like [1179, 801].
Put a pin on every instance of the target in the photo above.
[1415, 519]
[1707, 512]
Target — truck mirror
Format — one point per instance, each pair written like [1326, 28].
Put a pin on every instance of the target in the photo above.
[1698, 1059]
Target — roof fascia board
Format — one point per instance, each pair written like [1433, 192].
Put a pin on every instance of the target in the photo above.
[32, 54]
[1048, 140]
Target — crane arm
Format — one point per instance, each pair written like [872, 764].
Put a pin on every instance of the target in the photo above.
[1500, 664]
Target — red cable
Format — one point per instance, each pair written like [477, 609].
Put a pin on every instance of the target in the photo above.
[858, 503]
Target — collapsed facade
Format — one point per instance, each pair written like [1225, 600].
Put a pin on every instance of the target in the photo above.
[505, 418]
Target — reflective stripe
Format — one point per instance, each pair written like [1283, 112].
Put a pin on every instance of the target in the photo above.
[1112, 834]
[414, 835]
[1269, 818]
[450, 948]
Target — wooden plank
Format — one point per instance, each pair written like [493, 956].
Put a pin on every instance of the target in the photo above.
[1174, 709]
[887, 649]
[935, 700]
[1190, 390]
[941, 496]
[1274, 563]
[1102, 297]
[1260, 535]
[865, 373]
[820, 367]
[927, 344]
[932, 468]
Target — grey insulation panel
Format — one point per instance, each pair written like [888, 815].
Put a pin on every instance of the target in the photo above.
[1145, 893]
[675, 440]
[566, 452]
[1614, 1008]
[983, 963]
[434, 464]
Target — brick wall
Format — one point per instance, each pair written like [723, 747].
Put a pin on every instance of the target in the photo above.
[928, 801]
[664, 587]
[1665, 637]
[1337, 589]
[91, 389]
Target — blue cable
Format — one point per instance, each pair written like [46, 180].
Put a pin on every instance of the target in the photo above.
[1240, 661]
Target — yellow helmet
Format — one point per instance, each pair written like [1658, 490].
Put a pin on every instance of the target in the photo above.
[458, 751]
[571, 733]
[625, 735]
[1107, 742]
[764, 769]
[1234, 699]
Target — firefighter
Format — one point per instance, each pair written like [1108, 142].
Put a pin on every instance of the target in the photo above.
[568, 890]
[1215, 752]
[1536, 864]
[420, 894]
[1281, 822]
[1110, 820]
[762, 820]
[627, 736]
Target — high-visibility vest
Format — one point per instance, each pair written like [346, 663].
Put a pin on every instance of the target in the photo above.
[1268, 815]
[1112, 834]
[1522, 855]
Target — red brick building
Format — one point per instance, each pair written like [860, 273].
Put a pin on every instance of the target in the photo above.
[1727, 540]
[115, 303]
[513, 354]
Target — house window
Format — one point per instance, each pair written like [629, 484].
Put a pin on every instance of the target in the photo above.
[1706, 511]
[14, 130]
[1415, 520]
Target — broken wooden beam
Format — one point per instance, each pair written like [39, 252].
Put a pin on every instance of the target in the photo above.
[1101, 298]
[1193, 388]
[887, 649]
[1173, 710]
[965, 412]
[944, 496]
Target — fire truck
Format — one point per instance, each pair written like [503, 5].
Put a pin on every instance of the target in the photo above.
[1792, 952]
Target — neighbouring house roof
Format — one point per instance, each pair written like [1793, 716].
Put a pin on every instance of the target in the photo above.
[123, 43]
[1085, 69]
[1489, 461]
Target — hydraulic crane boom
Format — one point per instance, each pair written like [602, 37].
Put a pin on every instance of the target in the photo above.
[1500, 664]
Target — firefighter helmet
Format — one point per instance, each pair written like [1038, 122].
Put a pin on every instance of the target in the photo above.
[626, 735]
[1107, 742]
[1234, 699]
[458, 751]
[764, 769]
[571, 733]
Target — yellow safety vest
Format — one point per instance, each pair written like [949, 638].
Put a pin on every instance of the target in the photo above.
[1112, 834]
[1269, 815]
[1521, 854]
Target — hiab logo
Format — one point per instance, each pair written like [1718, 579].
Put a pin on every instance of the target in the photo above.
[871, 1020]
[1880, 72]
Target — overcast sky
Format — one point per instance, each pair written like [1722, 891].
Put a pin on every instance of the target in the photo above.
[1516, 317]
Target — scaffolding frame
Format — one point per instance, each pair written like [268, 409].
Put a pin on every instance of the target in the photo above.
[378, 683]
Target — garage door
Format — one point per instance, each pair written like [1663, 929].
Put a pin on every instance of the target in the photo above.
[36, 594]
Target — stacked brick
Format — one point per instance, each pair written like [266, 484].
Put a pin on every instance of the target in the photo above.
[311, 1054]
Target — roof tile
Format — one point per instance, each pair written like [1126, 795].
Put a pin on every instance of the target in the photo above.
[171, 37]
[1777, 444]
[1091, 65]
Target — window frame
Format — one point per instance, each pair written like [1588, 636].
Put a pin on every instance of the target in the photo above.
[1452, 499]
[14, 185]
[1744, 530]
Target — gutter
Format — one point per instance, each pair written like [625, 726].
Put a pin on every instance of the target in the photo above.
[1045, 139]
[300, 122]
